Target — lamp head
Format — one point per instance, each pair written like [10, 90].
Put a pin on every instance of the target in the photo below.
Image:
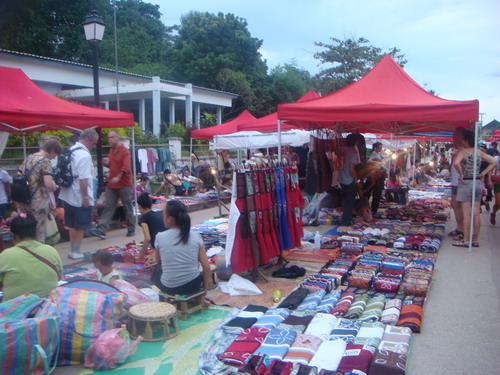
[93, 26]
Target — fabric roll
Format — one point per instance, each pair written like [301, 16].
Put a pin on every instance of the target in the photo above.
[357, 307]
[370, 334]
[254, 365]
[392, 309]
[328, 302]
[277, 343]
[311, 301]
[373, 309]
[411, 317]
[245, 344]
[329, 355]
[343, 304]
[272, 318]
[322, 325]
[386, 362]
[294, 299]
[346, 330]
[303, 349]
[297, 321]
[396, 339]
[357, 358]
[320, 281]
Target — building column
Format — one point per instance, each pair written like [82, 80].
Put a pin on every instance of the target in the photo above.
[189, 106]
[171, 112]
[142, 114]
[197, 115]
[219, 115]
[156, 106]
[106, 105]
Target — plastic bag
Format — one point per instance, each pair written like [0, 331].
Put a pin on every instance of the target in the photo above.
[238, 286]
[110, 349]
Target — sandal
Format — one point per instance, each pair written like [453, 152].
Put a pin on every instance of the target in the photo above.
[459, 237]
[460, 243]
[455, 233]
[475, 244]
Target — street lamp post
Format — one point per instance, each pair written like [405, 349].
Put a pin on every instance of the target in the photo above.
[94, 26]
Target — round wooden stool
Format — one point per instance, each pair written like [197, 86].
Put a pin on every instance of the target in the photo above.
[153, 320]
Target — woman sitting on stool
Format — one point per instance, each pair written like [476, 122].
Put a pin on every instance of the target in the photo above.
[181, 251]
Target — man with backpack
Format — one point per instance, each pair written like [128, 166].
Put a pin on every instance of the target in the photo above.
[78, 197]
[118, 186]
[33, 184]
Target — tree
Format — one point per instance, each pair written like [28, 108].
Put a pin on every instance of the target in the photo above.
[289, 83]
[207, 44]
[351, 59]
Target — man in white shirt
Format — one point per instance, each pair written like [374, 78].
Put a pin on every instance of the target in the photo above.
[79, 197]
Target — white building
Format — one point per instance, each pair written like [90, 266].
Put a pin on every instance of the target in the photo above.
[153, 101]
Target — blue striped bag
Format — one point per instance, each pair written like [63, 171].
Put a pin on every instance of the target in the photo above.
[29, 336]
[86, 308]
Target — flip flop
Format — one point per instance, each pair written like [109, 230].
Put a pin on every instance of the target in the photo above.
[460, 244]
[475, 244]
[454, 233]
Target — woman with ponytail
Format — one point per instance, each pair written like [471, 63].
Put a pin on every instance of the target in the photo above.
[181, 252]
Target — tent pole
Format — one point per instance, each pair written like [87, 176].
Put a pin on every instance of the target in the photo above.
[474, 172]
[134, 175]
[279, 141]
[24, 145]
[191, 153]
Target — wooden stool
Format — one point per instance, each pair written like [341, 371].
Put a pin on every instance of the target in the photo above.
[186, 304]
[148, 317]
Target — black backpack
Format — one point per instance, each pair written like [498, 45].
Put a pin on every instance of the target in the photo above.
[20, 188]
[63, 176]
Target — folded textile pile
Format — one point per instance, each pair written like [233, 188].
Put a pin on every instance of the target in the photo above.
[245, 344]
[373, 309]
[346, 330]
[343, 304]
[392, 309]
[294, 299]
[411, 313]
[297, 321]
[303, 348]
[329, 355]
[246, 318]
[418, 277]
[320, 282]
[322, 325]
[357, 307]
[370, 333]
[277, 343]
[272, 318]
[328, 302]
[356, 358]
[312, 300]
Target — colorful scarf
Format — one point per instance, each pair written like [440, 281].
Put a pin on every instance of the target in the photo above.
[303, 348]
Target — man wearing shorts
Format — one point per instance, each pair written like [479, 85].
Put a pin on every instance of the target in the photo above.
[79, 197]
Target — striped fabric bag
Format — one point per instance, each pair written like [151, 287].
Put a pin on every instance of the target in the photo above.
[86, 308]
[29, 336]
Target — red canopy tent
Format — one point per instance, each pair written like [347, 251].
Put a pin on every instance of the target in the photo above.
[24, 107]
[495, 137]
[222, 129]
[386, 99]
[269, 123]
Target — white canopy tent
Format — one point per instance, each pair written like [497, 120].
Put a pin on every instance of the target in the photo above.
[255, 139]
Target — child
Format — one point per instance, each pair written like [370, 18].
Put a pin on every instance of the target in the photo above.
[151, 223]
[103, 261]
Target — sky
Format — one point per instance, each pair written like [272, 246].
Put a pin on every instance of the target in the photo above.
[452, 46]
